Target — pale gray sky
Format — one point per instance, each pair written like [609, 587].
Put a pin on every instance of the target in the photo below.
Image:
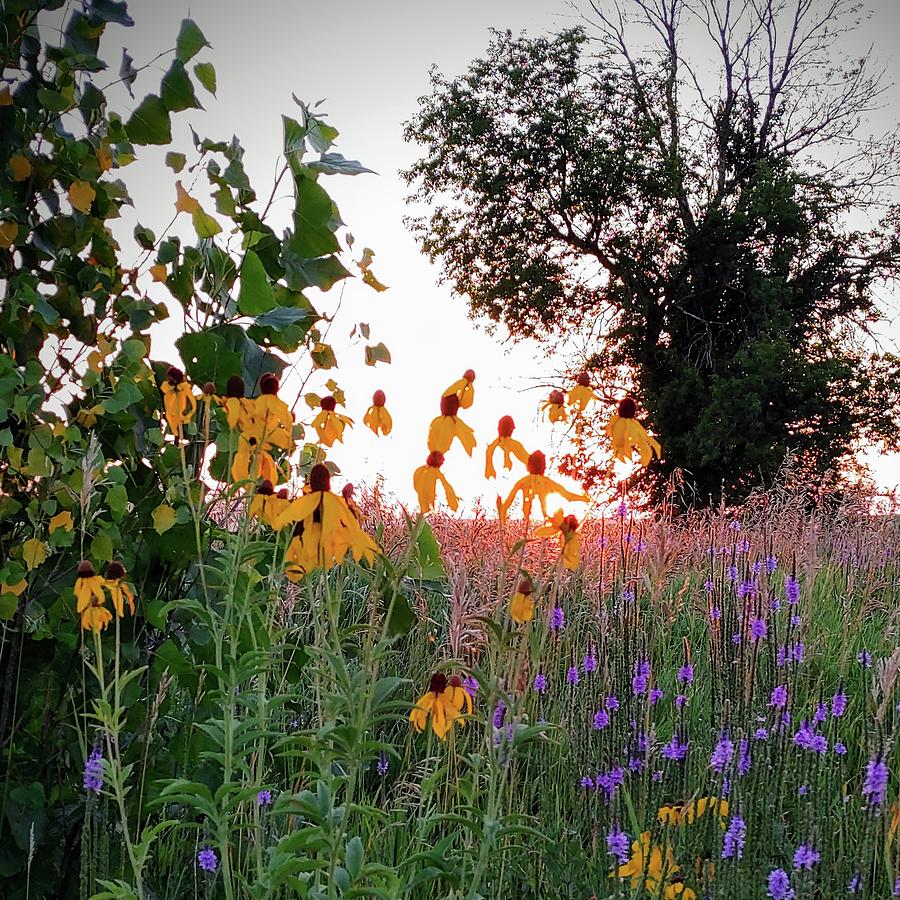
[369, 61]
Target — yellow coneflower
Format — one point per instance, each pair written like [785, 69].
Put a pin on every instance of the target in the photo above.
[536, 485]
[377, 417]
[329, 424]
[508, 444]
[582, 393]
[448, 425]
[119, 589]
[443, 704]
[628, 435]
[687, 813]
[267, 504]
[463, 389]
[647, 864]
[252, 461]
[521, 604]
[425, 480]
[178, 399]
[567, 529]
[325, 528]
[554, 406]
[90, 600]
[238, 408]
[678, 890]
[273, 419]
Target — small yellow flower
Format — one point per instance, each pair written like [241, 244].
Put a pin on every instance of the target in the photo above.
[463, 389]
[61, 520]
[325, 530]
[377, 417]
[252, 461]
[554, 406]
[508, 444]
[267, 505]
[567, 529]
[582, 393]
[178, 399]
[443, 705]
[119, 590]
[536, 485]
[628, 435]
[90, 601]
[425, 480]
[521, 604]
[448, 426]
[272, 419]
[329, 424]
[239, 409]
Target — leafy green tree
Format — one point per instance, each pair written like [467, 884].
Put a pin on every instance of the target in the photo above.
[717, 241]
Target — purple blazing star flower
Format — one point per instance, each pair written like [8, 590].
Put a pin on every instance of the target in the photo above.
[779, 697]
[803, 790]
[792, 590]
[641, 742]
[680, 700]
[264, 797]
[733, 574]
[610, 780]
[875, 787]
[383, 764]
[758, 629]
[557, 619]
[622, 510]
[471, 685]
[715, 613]
[839, 704]
[655, 695]
[601, 719]
[686, 674]
[798, 650]
[708, 585]
[572, 676]
[747, 589]
[540, 683]
[734, 525]
[805, 857]
[611, 703]
[722, 753]
[499, 712]
[757, 566]
[93, 772]
[587, 782]
[820, 714]
[744, 759]
[618, 844]
[775, 604]
[641, 677]
[628, 595]
[657, 776]
[736, 639]
[839, 748]
[855, 885]
[743, 546]
[864, 658]
[771, 564]
[779, 884]
[896, 891]
[634, 764]
[804, 736]
[589, 663]
[207, 859]
[795, 621]
[674, 750]
[733, 839]
[761, 734]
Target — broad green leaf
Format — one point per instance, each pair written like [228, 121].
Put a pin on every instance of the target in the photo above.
[176, 89]
[322, 272]
[102, 547]
[315, 221]
[294, 143]
[336, 164]
[426, 564]
[190, 41]
[255, 296]
[206, 75]
[208, 357]
[163, 518]
[149, 123]
[175, 161]
[204, 224]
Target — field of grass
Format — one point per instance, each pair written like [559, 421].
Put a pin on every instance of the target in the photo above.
[705, 702]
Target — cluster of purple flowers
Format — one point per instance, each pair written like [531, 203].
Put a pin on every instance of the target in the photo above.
[788, 653]
[875, 786]
[93, 772]
[807, 738]
[805, 857]
[641, 677]
[734, 837]
[557, 618]
[779, 884]
[207, 859]
[722, 753]
[618, 844]
[675, 749]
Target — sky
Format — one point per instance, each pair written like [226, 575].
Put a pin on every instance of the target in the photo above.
[369, 62]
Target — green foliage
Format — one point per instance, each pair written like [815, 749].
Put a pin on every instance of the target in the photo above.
[710, 262]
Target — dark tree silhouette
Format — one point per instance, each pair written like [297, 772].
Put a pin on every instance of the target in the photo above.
[718, 240]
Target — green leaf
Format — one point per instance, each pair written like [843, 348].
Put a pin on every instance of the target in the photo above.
[255, 296]
[175, 161]
[176, 89]
[204, 224]
[402, 617]
[207, 357]
[336, 164]
[294, 143]
[149, 123]
[190, 41]
[206, 75]
[426, 564]
[353, 857]
[283, 316]
[8, 605]
[315, 221]
[102, 547]
[322, 272]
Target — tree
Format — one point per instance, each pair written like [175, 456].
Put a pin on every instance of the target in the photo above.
[720, 242]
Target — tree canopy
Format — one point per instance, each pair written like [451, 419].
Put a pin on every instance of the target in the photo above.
[718, 241]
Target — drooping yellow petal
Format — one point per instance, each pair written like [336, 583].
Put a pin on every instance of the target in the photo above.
[521, 608]
[441, 433]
